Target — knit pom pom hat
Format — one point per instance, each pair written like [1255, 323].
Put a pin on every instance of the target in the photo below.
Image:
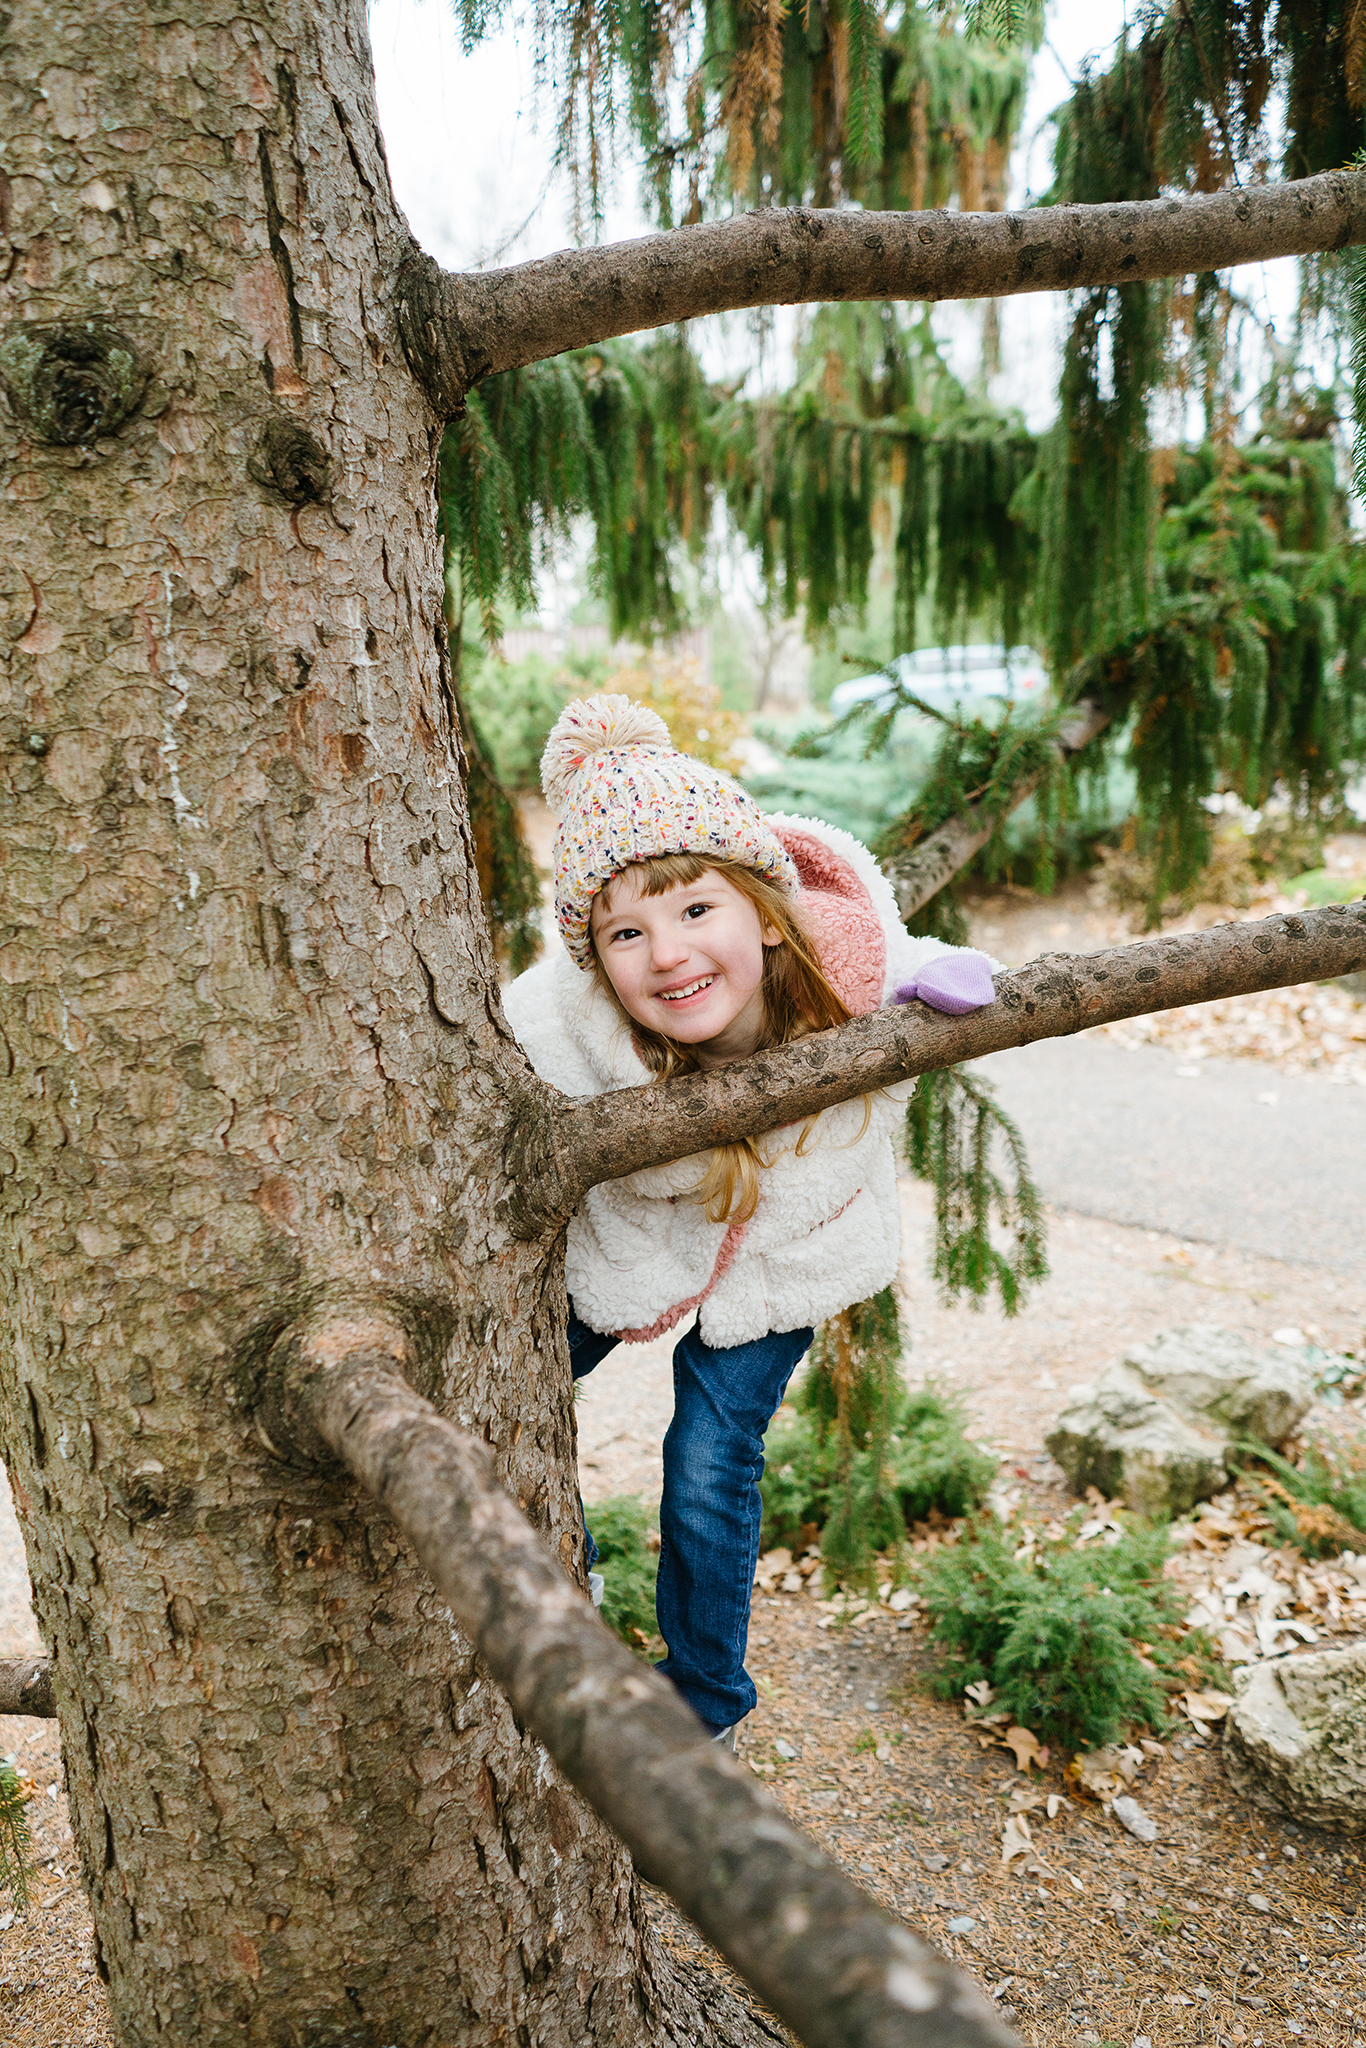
[626, 794]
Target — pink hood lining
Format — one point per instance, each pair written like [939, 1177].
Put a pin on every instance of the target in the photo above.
[850, 942]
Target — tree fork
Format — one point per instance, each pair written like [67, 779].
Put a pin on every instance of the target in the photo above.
[826, 1958]
[460, 328]
[562, 1146]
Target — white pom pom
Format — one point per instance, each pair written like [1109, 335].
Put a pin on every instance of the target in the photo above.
[589, 726]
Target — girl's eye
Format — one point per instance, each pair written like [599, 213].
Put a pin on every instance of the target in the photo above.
[697, 909]
[626, 931]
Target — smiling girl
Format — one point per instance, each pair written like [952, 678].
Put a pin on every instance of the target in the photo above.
[697, 931]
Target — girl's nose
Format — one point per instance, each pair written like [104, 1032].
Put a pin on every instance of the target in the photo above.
[667, 950]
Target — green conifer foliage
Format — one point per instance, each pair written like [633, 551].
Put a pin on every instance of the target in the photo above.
[1248, 671]
[1054, 1629]
[864, 1456]
[989, 1228]
[618, 435]
[779, 104]
[14, 1836]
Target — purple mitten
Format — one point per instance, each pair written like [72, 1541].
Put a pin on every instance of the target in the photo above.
[953, 982]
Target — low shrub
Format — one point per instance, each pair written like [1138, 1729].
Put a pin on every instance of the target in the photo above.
[863, 1490]
[621, 1529]
[14, 1835]
[1320, 1504]
[1055, 1631]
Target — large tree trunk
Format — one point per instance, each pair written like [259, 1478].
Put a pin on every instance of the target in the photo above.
[252, 1062]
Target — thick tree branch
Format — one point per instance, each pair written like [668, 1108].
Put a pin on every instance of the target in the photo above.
[922, 872]
[561, 1146]
[824, 1956]
[457, 329]
[26, 1687]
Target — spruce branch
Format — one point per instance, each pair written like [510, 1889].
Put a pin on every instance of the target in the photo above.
[560, 1146]
[928, 865]
[953, 1126]
[458, 329]
[832, 1964]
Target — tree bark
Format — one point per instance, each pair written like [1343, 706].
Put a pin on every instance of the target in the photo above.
[933, 861]
[251, 1059]
[458, 329]
[561, 1145]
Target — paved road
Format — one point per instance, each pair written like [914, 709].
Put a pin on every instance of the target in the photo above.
[1126, 1135]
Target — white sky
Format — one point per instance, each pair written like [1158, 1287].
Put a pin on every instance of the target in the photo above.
[471, 154]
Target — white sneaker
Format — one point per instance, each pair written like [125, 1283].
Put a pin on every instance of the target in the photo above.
[726, 1737]
[597, 1586]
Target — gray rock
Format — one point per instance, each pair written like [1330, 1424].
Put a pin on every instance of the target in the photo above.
[1217, 1380]
[1160, 1426]
[1295, 1737]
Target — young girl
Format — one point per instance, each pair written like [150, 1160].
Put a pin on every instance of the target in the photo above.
[697, 931]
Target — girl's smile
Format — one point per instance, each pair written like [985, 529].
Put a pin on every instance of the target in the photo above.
[688, 964]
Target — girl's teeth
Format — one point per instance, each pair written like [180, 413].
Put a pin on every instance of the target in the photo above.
[676, 995]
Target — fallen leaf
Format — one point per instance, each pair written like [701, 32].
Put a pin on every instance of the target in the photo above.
[1024, 1799]
[1016, 1839]
[980, 1694]
[773, 1565]
[1101, 1772]
[1203, 1708]
[1027, 1750]
[1055, 1805]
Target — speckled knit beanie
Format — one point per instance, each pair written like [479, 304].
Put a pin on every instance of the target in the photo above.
[626, 794]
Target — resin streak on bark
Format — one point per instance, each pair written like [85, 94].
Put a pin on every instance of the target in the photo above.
[825, 1956]
[921, 873]
[458, 329]
[605, 1136]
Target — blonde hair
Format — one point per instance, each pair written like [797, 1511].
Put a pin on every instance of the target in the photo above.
[798, 999]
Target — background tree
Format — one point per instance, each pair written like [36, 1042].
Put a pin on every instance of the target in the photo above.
[1063, 539]
[255, 1071]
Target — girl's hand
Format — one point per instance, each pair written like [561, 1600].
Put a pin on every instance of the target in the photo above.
[953, 982]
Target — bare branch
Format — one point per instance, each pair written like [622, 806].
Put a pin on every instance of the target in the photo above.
[561, 1147]
[923, 871]
[457, 329]
[827, 1959]
[26, 1687]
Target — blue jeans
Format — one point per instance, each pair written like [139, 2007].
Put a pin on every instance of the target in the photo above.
[710, 1512]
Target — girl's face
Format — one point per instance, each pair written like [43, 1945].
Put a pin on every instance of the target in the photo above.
[688, 964]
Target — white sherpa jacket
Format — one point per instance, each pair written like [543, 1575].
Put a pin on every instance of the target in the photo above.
[641, 1255]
